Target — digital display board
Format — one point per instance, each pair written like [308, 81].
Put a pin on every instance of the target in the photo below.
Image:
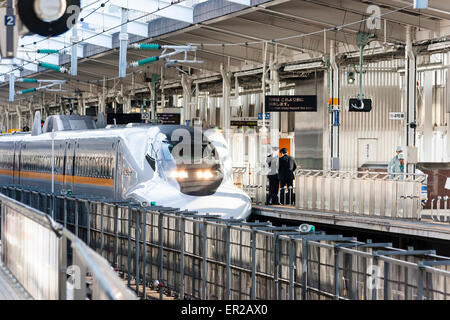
[169, 118]
[291, 103]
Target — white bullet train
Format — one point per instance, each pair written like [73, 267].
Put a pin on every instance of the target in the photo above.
[164, 165]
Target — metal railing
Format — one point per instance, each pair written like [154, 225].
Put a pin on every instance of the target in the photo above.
[439, 210]
[186, 255]
[50, 262]
[360, 193]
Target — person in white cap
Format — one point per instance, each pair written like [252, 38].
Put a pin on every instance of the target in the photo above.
[395, 162]
[399, 166]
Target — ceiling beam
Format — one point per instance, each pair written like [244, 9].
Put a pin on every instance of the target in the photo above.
[178, 12]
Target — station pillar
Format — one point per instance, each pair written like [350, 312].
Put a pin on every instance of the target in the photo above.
[275, 116]
[334, 108]
[187, 96]
[410, 102]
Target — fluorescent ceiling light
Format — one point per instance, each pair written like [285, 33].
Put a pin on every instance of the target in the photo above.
[304, 66]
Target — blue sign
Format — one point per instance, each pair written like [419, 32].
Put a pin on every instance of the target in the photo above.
[10, 20]
[267, 116]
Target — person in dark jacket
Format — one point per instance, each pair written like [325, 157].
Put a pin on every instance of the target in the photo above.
[272, 161]
[286, 168]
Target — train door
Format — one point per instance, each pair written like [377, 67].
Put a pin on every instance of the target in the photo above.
[71, 165]
[117, 177]
[67, 166]
[16, 162]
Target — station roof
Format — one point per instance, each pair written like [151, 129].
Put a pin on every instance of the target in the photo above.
[231, 32]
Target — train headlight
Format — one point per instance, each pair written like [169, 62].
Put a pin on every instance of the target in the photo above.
[179, 174]
[206, 174]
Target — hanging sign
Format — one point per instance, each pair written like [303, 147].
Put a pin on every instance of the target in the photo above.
[244, 122]
[291, 103]
[357, 105]
[169, 118]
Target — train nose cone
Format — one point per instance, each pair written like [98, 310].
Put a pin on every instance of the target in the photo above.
[228, 201]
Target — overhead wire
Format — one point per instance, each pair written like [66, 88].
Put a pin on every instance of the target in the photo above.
[223, 45]
[36, 61]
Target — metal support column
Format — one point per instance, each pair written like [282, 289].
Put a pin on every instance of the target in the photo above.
[410, 95]
[225, 111]
[123, 37]
[74, 58]
[334, 108]
[186, 84]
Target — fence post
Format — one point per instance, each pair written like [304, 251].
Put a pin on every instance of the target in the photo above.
[79, 293]
[420, 283]
[205, 255]
[387, 276]
[76, 217]
[182, 235]
[101, 227]
[291, 268]
[62, 268]
[65, 212]
[375, 284]
[116, 236]
[228, 261]
[129, 247]
[275, 267]
[138, 251]
[144, 253]
[253, 239]
[304, 268]
[161, 252]
[336, 273]
[88, 223]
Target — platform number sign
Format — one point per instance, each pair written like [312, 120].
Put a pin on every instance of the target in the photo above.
[397, 116]
[10, 20]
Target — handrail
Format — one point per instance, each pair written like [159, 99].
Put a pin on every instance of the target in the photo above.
[108, 281]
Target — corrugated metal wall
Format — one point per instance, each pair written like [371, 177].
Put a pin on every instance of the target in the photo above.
[382, 85]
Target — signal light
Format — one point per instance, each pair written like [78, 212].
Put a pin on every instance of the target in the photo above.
[351, 77]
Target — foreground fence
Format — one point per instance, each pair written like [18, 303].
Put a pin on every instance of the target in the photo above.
[203, 257]
[42, 256]
[361, 193]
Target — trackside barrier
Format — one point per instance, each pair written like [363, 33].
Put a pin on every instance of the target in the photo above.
[360, 193]
[190, 256]
[50, 262]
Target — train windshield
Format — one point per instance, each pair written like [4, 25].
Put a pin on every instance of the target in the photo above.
[190, 160]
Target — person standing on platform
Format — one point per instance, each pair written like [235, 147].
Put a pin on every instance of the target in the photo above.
[395, 165]
[398, 167]
[272, 161]
[286, 170]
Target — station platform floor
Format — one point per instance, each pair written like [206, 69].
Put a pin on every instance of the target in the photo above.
[10, 289]
[425, 228]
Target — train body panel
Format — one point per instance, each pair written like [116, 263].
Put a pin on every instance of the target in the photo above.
[127, 163]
